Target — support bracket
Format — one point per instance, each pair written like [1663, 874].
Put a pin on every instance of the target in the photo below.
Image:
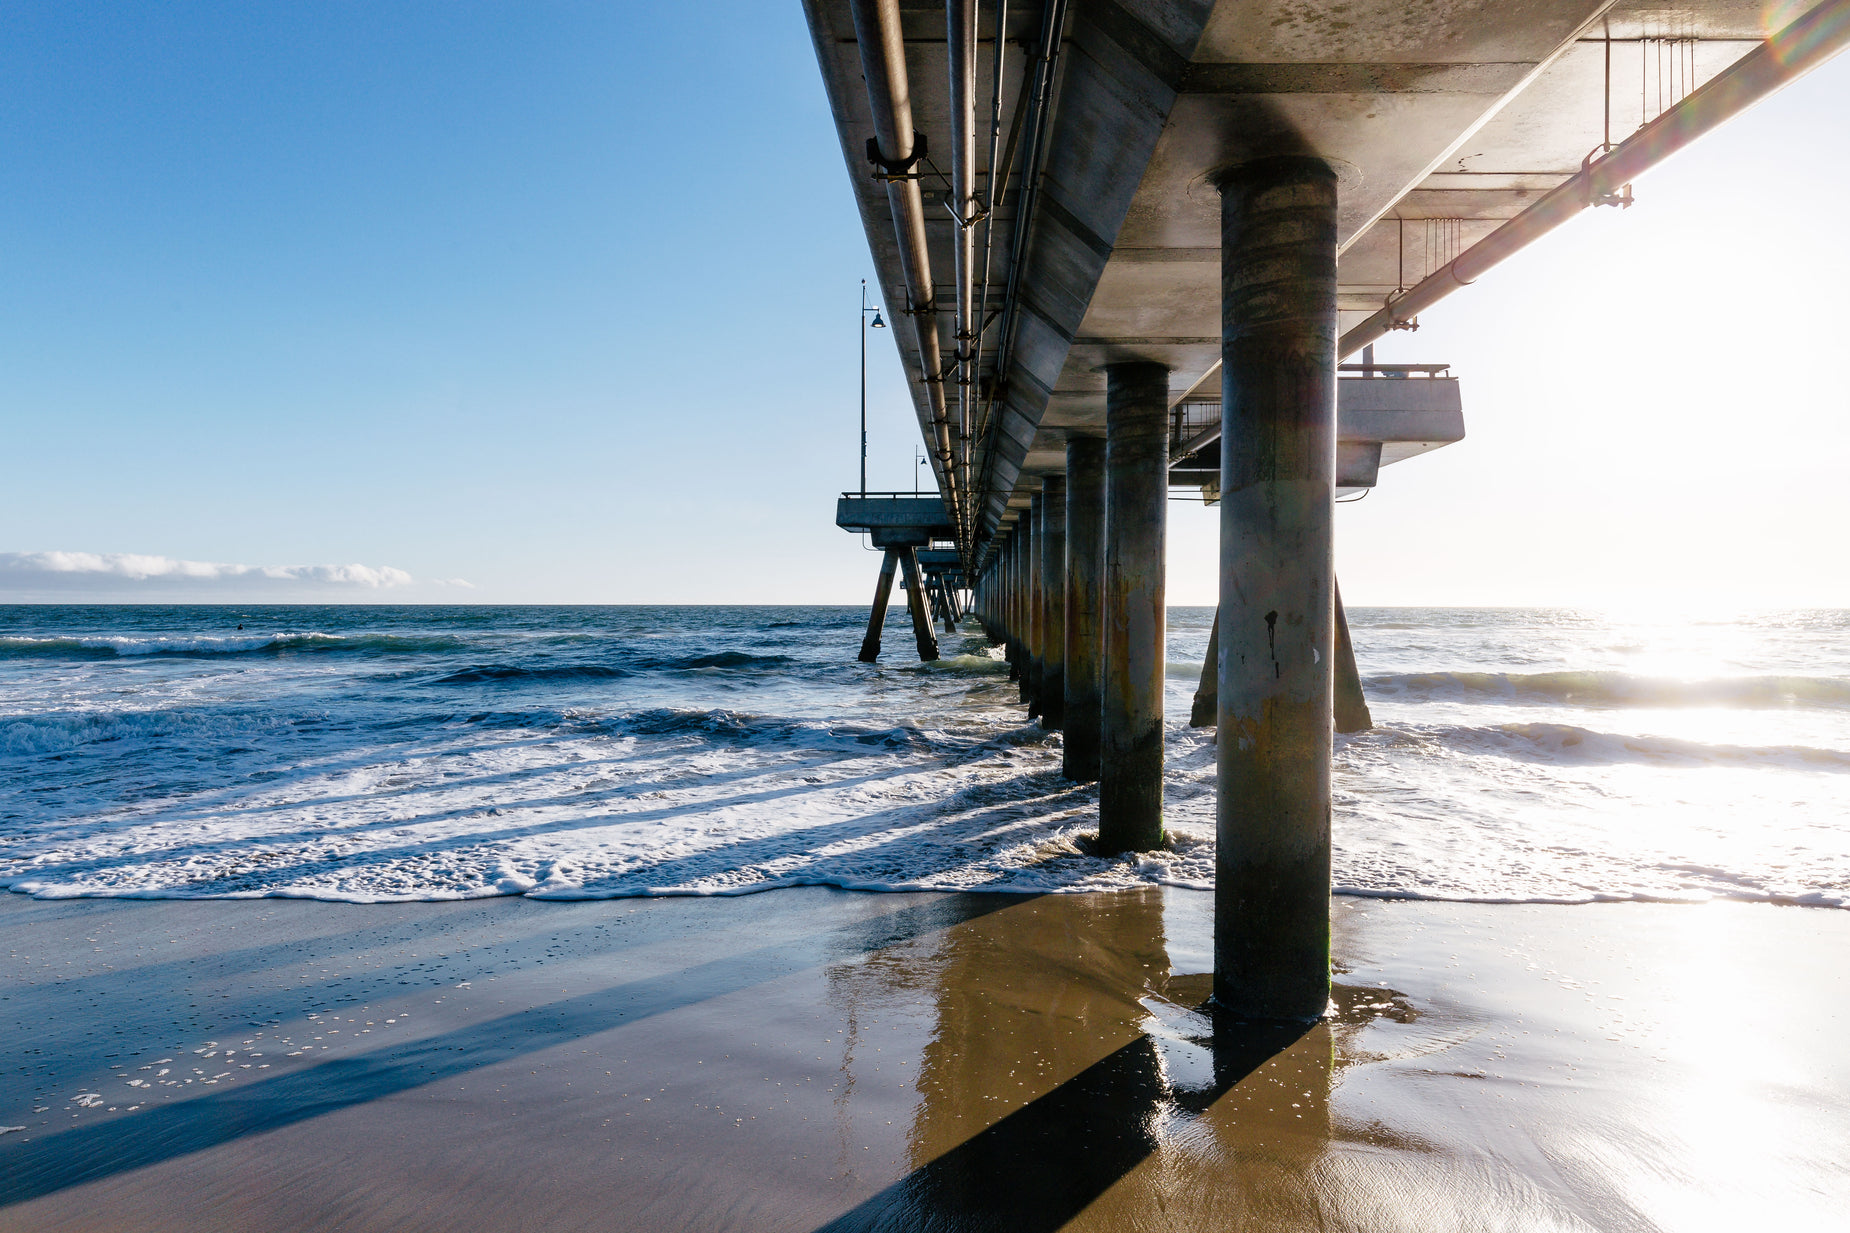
[895, 169]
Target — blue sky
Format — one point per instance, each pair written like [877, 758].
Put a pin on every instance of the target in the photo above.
[558, 300]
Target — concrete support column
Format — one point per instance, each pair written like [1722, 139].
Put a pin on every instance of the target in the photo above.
[986, 600]
[1037, 573]
[876, 620]
[1130, 797]
[1207, 706]
[1011, 639]
[915, 599]
[941, 595]
[1351, 707]
[1037, 605]
[1278, 459]
[1024, 606]
[1085, 578]
[1053, 602]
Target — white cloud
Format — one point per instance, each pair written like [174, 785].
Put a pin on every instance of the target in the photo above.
[127, 573]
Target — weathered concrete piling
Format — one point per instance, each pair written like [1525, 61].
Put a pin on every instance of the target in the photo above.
[1083, 628]
[1024, 606]
[1348, 704]
[1037, 604]
[1053, 602]
[1351, 707]
[1204, 711]
[1278, 433]
[915, 599]
[1130, 805]
[876, 620]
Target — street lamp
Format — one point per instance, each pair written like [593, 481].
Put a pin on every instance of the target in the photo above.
[878, 324]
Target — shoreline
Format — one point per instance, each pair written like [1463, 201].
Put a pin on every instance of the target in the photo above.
[1817, 900]
[818, 1058]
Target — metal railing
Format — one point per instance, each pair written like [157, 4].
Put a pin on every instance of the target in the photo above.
[926, 495]
[1191, 426]
[1366, 369]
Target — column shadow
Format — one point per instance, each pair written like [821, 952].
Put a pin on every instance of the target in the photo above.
[1042, 1165]
[70, 1158]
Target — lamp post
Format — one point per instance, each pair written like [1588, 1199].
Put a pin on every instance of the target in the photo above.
[878, 325]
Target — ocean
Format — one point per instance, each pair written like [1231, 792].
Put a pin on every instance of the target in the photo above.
[372, 753]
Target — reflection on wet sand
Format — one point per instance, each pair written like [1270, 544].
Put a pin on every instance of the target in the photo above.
[1067, 1053]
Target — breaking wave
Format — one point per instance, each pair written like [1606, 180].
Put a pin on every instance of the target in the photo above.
[59, 733]
[724, 659]
[188, 645]
[491, 674]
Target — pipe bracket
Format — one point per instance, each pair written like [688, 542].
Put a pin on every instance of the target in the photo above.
[893, 169]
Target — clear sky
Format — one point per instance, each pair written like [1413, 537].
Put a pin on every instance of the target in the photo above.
[557, 303]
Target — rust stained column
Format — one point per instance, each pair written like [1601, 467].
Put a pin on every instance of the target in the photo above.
[1085, 576]
[1130, 798]
[1053, 601]
[1278, 457]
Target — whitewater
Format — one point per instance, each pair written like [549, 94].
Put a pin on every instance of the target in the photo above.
[373, 754]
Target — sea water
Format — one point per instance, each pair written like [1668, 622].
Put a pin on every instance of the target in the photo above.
[370, 753]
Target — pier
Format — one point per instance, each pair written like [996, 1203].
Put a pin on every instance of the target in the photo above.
[1132, 248]
[453, 777]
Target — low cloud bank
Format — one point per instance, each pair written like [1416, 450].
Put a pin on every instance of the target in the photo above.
[128, 574]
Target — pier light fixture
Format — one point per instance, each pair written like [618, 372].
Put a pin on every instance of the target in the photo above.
[878, 324]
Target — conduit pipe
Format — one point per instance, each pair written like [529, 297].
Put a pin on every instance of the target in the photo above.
[960, 35]
[889, 96]
[1039, 100]
[1783, 58]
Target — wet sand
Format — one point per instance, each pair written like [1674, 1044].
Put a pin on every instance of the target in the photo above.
[816, 1059]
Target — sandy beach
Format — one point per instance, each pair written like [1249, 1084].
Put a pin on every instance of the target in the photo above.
[810, 1059]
